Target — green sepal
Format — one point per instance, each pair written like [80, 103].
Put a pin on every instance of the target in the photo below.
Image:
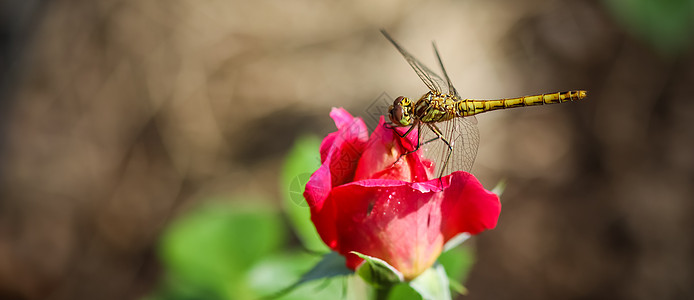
[457, 286]
[499, 188]
[403, 291]
[433, 284]
[377, 272]
[456, 241]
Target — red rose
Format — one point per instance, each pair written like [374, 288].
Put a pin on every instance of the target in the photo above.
[364, 199]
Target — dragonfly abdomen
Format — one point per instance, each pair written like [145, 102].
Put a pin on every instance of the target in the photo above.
[469, 107]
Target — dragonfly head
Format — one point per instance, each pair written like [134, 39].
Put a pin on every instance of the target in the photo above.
[400, 112]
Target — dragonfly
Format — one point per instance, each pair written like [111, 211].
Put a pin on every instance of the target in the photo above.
[445, 122]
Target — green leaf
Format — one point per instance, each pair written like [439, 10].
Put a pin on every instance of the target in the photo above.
[432, 284]
[458, 262]
[288, 270]
[301, 162]
[668, 26]
[175, 289]
[210, 249]
[377, 272]
[332, 265]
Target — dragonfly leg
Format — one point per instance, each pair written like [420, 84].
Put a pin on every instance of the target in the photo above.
[388, 125]
[422, 144]
[419, 144]
[406, 133]
[419, 130]
[439, 135]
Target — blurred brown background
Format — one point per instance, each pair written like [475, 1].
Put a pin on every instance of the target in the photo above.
[117, 116]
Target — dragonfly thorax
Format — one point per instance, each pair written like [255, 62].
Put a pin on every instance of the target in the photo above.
[401, 112]
[435, 107]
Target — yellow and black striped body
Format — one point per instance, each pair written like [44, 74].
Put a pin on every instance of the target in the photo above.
[433, 107]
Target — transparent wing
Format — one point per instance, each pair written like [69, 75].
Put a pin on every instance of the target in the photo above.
[451, 88]
[462, 136]
[432, 81]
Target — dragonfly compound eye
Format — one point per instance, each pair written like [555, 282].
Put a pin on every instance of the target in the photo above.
[398, 112]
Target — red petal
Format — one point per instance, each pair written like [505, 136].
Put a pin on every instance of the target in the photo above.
[402, 222]
[342, 119]
[340, 152]
[382, 157]
[347, 145]
[389, 220]
[468, 207]
[407, 224]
